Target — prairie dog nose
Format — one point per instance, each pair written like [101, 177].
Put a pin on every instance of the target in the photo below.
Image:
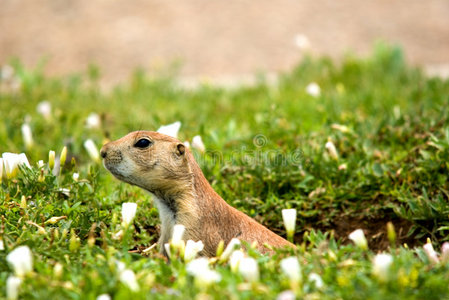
[104, 151]
[111, 154]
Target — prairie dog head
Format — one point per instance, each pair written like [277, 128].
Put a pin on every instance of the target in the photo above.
[153, 161]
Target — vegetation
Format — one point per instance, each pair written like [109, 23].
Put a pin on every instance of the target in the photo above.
[269, 147]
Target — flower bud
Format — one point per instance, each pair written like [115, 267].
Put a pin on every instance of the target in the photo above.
[391, 233]
[92, 150]
[12, 287]
[104, 297]
[128, 213]
[430, 252]
[76, 176]
[381, 266]
[51, 159]
[128, 278]
[21, 260]
[358, 237]
[233, 244]
[58, 269]
[289, 218]
[313, 89]
[177, 243]
[291, 268]
[74, 243]
[316, 280]
[197, 143]
[54, 220]
[249, 269]
[63, 157]
[93, 121]
[44, 108]
[171, 129]
[445, 252]
[27, 136]
[234, 260]
[23, 202]
[330, 147]
[192, 249]
[204, 276]
[220, 248]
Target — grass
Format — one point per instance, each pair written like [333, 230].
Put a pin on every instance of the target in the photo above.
[265, 151]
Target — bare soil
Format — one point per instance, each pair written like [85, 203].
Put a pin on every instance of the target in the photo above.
[215, 39]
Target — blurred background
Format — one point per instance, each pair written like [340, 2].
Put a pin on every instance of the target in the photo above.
[218, 40]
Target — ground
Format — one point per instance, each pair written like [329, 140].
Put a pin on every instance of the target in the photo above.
[223, 40]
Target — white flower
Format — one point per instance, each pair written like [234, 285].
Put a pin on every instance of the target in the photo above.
[76, 176]
[167, 249]
[199, 268]
[12, 162]
[431, 254]
[358, 237]
[44, 108]
[2, 245]
[291, 267]
[286, 295]
[197, 265]
[92, 150]
[234, 260]
[7, 72]
[342, 128]
[118, 235]
[397, 111]
[171, 129]
[313, 89]
[27, 135]
[316, 279]
[233, 244]
[103, 297]
[120, 266]
[192, 249]
[187, 144]
[93, 121]
[40, 164]
[128, 278]
[330, 147]
[176, 239]
[381, 265]
[21, 260]
[249, 269]
[445, 252]
[289, 218]
[302, 42]
[342, 167]
[128, 213]
[198, 144]
[58, 269]
[12, 287]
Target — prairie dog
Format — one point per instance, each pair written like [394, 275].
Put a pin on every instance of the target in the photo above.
[163, 166]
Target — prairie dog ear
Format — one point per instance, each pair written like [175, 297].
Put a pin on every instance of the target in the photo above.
[180, 149]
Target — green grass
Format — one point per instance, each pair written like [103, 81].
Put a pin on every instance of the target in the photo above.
[265, 151]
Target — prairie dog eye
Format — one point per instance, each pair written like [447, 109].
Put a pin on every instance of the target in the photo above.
[143, 143]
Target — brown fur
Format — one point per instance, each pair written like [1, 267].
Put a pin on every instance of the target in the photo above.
[183, 195]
